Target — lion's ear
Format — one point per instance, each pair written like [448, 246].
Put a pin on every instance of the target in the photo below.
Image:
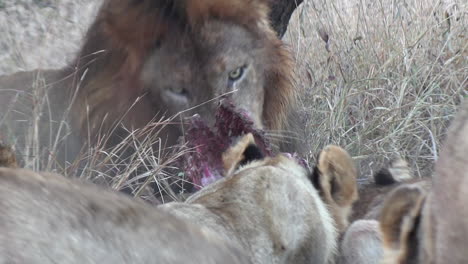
[241, 153]
[335, 178]
[399, 219]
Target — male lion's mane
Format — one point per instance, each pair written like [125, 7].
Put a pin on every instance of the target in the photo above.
[125, 32]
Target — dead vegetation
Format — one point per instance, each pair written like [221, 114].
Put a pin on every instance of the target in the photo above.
[379, 78]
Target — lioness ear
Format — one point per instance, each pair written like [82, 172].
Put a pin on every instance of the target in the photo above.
[241, 153]
[335, 178]
[397, 171]
[399, 220]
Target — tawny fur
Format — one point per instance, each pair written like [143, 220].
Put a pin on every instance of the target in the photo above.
[398, 218]
[433, 231]
[367, 210]
[269, 208]
[234, 155]
[372, 195]
[335, 176]
[362, 243]
[47, 218]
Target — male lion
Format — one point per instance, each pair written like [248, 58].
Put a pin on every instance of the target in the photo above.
[265, 208]
[142, 60]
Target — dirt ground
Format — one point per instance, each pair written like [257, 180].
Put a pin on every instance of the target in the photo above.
[41, 33]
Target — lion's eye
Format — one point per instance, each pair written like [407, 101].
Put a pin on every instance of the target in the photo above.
[236, 74]
[179, 90]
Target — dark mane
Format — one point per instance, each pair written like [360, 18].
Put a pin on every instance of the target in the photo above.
[125, 32]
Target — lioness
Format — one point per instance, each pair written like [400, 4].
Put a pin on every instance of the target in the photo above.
[373, 194]
[420, 226]
[270, 208]
[142, 60]
[266, 208]
[47, 218]
[362, 242]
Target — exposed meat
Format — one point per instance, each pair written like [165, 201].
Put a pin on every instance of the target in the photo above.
[204, 165]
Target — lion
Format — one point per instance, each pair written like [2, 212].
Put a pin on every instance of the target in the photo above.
[362, 242]
[334, 177]
[270, 207]
[420, 226]
[373, 194]
[147, 61]
[47, 218]
[266, 210]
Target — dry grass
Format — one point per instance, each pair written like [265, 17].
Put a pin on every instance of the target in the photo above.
[381, 78]
[133, 165]
[140, 164]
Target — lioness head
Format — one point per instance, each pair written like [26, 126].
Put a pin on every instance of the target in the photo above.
[333, 178]
[270, 206]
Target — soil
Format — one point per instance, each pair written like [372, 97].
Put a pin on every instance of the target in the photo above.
[42, 33]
